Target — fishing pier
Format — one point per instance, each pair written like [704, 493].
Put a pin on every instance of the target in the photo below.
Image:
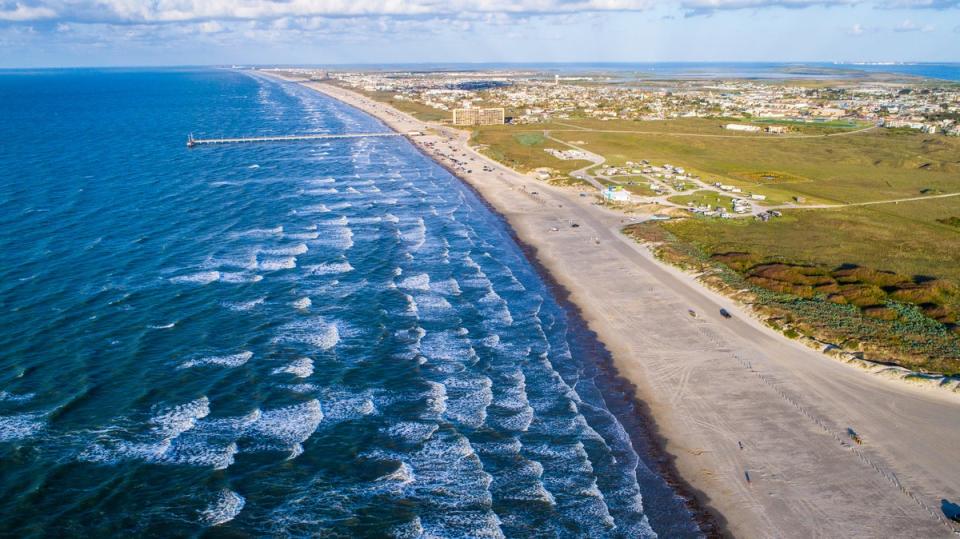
[193, 142]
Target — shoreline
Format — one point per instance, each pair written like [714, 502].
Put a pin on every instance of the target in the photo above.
[642, 427]
[685, 371]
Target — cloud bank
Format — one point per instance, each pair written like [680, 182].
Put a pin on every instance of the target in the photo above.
[172, 11]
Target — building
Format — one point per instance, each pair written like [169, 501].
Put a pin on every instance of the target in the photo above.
[616, 194]
[742, 127]
[471, 116]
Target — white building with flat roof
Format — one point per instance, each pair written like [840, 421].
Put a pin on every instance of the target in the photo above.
[742, 127]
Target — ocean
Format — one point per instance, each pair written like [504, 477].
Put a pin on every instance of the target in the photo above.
[329, 338]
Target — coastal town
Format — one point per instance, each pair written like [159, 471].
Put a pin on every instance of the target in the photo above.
[530, 97]
[529, 102]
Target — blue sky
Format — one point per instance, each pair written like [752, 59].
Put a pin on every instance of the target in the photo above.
[177, 32]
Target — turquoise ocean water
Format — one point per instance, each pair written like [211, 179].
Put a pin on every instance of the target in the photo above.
[330, 338]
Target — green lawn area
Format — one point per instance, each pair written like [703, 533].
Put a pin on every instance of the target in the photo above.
[703, 198]
[639, 188]
[522, 150]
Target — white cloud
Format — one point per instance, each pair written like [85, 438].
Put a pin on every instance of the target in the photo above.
[748, 4]
[165, 11]
[20, 12]
[855, 30]
[169, 11]
[920, 4]
[909, 26]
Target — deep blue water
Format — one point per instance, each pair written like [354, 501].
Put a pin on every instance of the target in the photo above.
[329, 338]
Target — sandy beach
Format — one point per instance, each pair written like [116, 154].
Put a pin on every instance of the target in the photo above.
[756, 424]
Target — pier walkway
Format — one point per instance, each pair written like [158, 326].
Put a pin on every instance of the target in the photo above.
[191, 142]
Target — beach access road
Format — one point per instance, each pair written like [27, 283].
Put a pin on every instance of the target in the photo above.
[758, 426]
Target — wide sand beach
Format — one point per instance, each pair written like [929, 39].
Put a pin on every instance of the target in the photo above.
[755, 424]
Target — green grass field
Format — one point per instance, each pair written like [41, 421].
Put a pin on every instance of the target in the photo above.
[522, 150]
[905, 238]
[703, 198]
[874, 165]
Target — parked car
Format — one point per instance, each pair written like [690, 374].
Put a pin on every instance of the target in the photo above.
[725, 313]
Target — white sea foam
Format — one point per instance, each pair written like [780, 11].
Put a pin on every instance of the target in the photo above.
[300, 388]
[411, 432]
[277, 263]
[330, 268]
[339, 238]
[240, 277]
[436, 397]
[339, 221]
[445, 346]
[302, 303]
[365, 220]
[403, 475]
[408, 530]
[224, 508]
[260, 232]
[312, 209]
[289, 425]
[6, 396]
[295, 451]
[303, 235]
[432, 306]
[172, 421]
[232, 360]
[448, 287]
[20, 426]
[161, 326]
[292, 250]
[415, 236]
[512, 447]
[243, 305]
[468, 399]
[191, 448]
[420, 281]
[301, 368]
[316, 332]
[321, 192]
[203, 277]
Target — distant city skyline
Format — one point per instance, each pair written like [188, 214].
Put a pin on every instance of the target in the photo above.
[190, 32]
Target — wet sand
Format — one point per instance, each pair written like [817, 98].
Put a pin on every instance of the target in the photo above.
[755, 424]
